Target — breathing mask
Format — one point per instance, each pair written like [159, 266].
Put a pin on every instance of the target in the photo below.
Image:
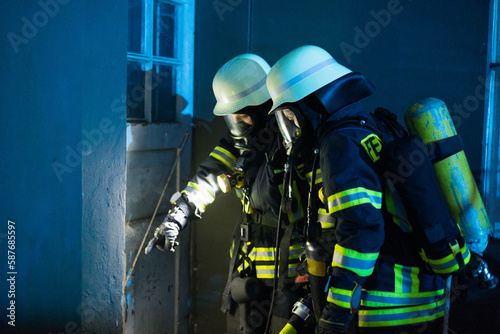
[245, 124]
[297, 123]
[291, 124]
[239, 124]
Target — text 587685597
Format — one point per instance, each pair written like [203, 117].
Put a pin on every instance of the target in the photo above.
[11, 273]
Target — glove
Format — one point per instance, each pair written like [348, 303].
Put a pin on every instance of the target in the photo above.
[334, 320]
[166, 234]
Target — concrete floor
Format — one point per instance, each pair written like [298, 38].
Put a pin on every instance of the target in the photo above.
[474, 310]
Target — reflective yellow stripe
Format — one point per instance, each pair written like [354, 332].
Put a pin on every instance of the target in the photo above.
[373, 298]
[340, 297]
[267, 254]
[361, 264]
[267, 271]
[295, 251]
[260, 255]
[326, 221]
[264, 254]
[343, 298]
[353, 197]
[465, 254]
[326, 226]
[401, 316]
[224, 156]
[300, 170]
[406, 279]
[198, 195]
[317, 180]
[448, 264]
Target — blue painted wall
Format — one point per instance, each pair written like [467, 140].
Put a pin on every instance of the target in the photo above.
[63, 169]
[104, 182]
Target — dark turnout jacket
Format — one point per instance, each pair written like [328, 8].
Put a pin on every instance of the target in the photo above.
[375, 264]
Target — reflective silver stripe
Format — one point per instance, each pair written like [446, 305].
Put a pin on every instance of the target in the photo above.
[375, 298]
[199, 196]
[361, 264]
[264, 272]
[224, 156]
[401, 316]
[266, 254]
[319, 177]
[267, 271]
[326, 220]
[353, 197]
[295, 253]
[303, 75]
[263, 255]
[317, 180]
[246, 92]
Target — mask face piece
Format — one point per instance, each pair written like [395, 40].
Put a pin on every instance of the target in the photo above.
[290, 123]
[240, 125]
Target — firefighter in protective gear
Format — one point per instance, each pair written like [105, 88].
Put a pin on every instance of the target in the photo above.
[375, 269]
[249, 155]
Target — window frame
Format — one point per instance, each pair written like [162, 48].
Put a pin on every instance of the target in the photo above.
[491, 137]
[181, 64]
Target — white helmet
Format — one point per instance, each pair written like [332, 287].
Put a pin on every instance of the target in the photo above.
[240, 83]
[301, 72]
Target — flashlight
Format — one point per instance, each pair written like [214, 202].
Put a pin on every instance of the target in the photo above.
[226, 182]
